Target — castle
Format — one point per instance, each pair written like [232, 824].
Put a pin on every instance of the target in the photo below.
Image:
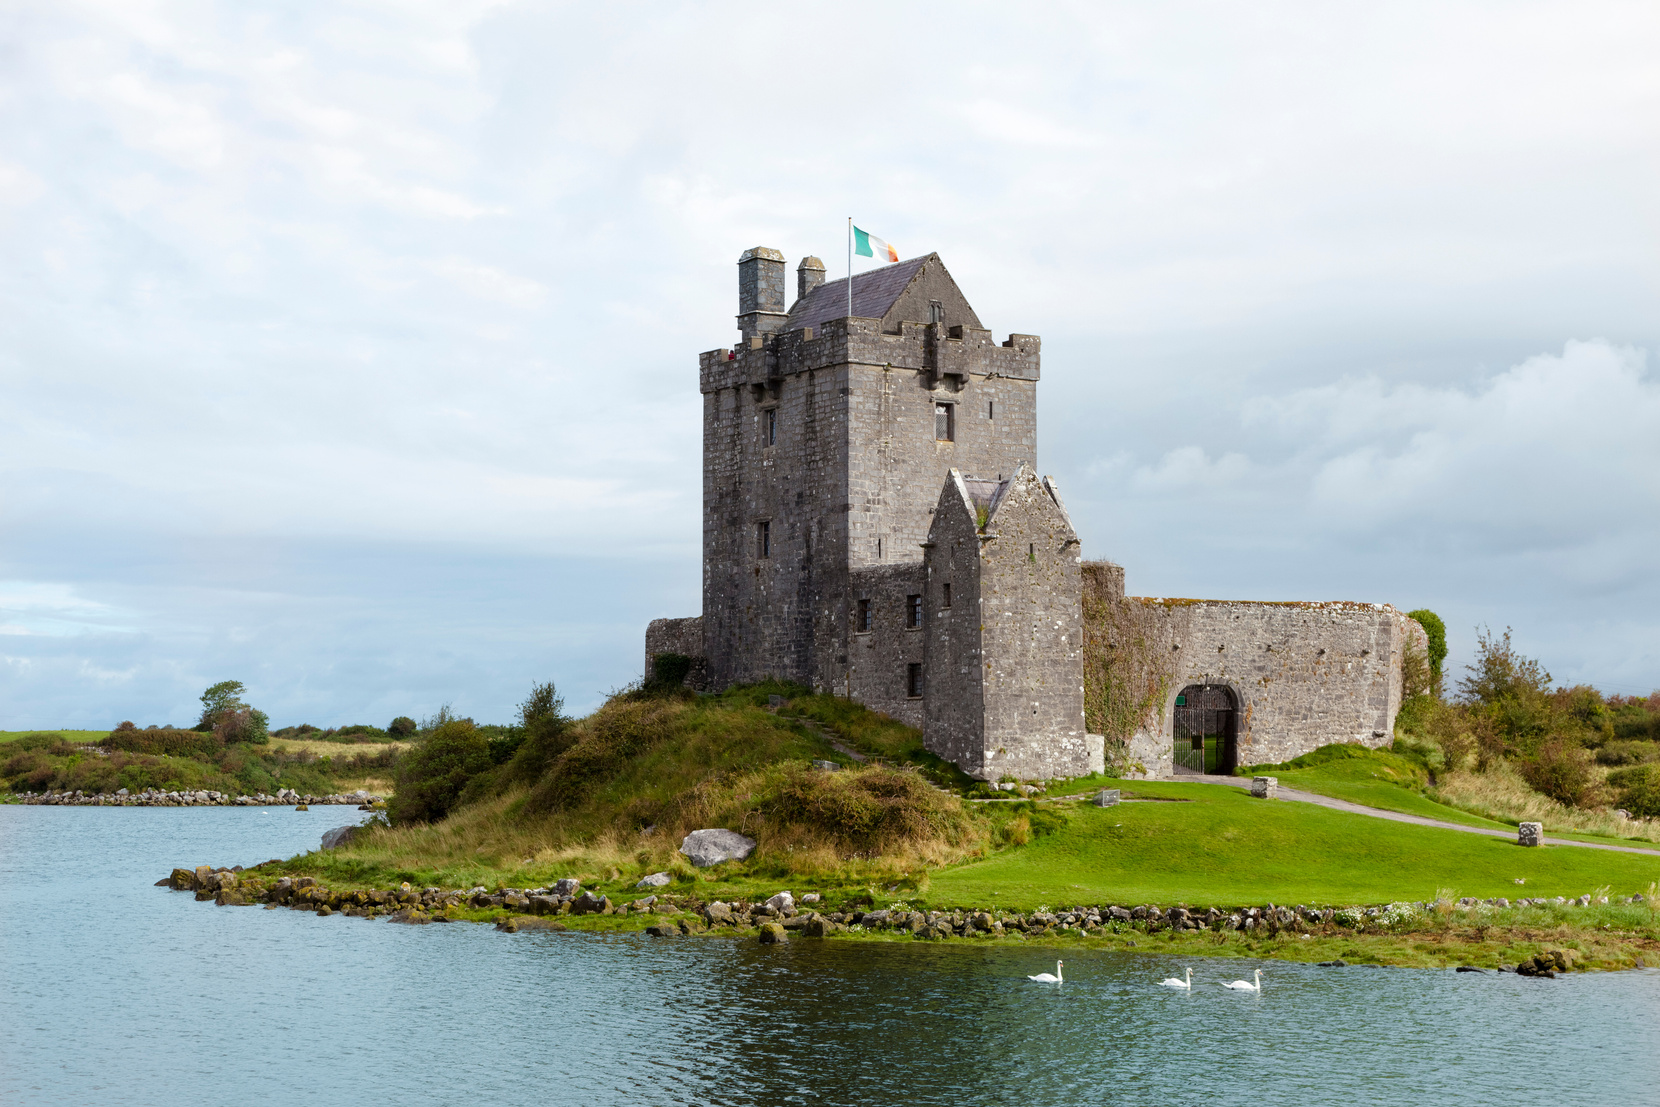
[874, 526]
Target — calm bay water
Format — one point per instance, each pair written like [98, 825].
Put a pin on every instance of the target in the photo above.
[119, 992]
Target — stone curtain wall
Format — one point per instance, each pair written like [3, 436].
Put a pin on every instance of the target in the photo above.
[682, 636]
[1128, 665]
[1304, 674]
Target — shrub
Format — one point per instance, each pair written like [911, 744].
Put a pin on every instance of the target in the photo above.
[241, 723]
[401, 727]
[1638, 790]
[174, 743]
[1628, 753]
[431, 776]
[600, 750]
[875, 809]
[50, 743]
[1560, 770]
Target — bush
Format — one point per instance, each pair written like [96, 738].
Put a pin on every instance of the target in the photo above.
[173, 743]
[875, 809]
[601, 750]
[1638, 789]
[1628, 753]
[401, 727]
[241, 723]
[431, 776]
[668, 672]
[1560, 770]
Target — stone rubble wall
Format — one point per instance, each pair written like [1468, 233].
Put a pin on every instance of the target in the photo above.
[124, 798]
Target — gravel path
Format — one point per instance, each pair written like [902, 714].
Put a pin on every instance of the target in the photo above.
[1299, 796]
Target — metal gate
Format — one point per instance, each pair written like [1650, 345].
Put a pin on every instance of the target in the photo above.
[1206, 729]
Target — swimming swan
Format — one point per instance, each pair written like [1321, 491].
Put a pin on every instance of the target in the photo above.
[1172, 982]
[1245, 985]
[1049, 978]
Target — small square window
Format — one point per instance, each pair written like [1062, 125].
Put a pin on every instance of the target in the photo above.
[763, 539]
[913, 611]
[863, 622]
[913, 680]
[945, 422]
[772, 426]
[945, 594]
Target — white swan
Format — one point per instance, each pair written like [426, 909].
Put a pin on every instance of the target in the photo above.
[1246, 985]
[1049, 978]
[1172, 982]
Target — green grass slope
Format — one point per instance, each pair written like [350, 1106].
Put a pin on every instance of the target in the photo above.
[1224, 847]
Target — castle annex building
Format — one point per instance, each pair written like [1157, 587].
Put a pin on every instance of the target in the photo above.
[874, 525]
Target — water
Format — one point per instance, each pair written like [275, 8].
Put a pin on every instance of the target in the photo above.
[118, 992]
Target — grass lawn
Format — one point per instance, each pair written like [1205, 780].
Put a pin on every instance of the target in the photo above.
[1223, 847]
[1365, 783]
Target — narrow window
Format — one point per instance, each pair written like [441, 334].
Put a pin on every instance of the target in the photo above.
[913, 680]
[991, 409]
[878, 549]
[913, 611]
[936, 311]
[763, 539]
[772, 426]
[864, 617]
[943, 429]
[945, 594]
[1031, 552]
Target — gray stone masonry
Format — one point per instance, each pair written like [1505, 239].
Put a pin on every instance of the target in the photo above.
[1007, 654]
[1530, 834]
[853, 465]
[1302, 675]
[1265, 787]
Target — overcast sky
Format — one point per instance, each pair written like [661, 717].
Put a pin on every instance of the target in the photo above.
[351, 350]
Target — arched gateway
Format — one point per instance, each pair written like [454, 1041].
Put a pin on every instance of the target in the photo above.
[1206, 730]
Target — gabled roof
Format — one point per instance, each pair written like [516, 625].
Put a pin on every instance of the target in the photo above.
[986, 494]
[878, 293]
[873, 294]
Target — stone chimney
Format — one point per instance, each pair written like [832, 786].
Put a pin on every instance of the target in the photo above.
[808, 276]
[761, 291]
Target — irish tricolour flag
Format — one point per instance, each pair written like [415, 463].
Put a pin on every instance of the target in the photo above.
[867, 245]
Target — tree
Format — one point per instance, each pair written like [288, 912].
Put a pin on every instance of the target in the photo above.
[401, 727]
[228, 718]
[219, 698]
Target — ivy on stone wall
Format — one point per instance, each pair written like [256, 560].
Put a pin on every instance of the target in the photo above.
[1127, 672]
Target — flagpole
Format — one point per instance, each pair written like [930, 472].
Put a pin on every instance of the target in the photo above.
[850, 267]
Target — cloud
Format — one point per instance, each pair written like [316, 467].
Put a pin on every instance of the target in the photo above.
[357, 352]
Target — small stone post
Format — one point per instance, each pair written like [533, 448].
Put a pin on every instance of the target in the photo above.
[1530, 834]
[1265, 787]
[1106, 797]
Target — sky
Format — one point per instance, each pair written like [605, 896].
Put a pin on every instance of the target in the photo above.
[350, 350]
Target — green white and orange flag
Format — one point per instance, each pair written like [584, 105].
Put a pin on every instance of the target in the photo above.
[867, 245]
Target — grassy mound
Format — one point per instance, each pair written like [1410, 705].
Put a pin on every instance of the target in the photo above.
[612, 795]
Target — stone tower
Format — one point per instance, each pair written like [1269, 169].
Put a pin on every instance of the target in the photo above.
[826, 438]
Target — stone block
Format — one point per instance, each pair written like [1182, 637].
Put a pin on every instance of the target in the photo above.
[1106, 797]
[1530, 834]
[1265, 787]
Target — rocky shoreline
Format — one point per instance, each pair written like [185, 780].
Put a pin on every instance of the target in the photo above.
[152, 798]
[782, 916]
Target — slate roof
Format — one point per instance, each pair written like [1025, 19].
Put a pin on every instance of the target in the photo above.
[873, 294]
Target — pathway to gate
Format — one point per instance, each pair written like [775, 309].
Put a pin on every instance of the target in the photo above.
[1298, 796]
